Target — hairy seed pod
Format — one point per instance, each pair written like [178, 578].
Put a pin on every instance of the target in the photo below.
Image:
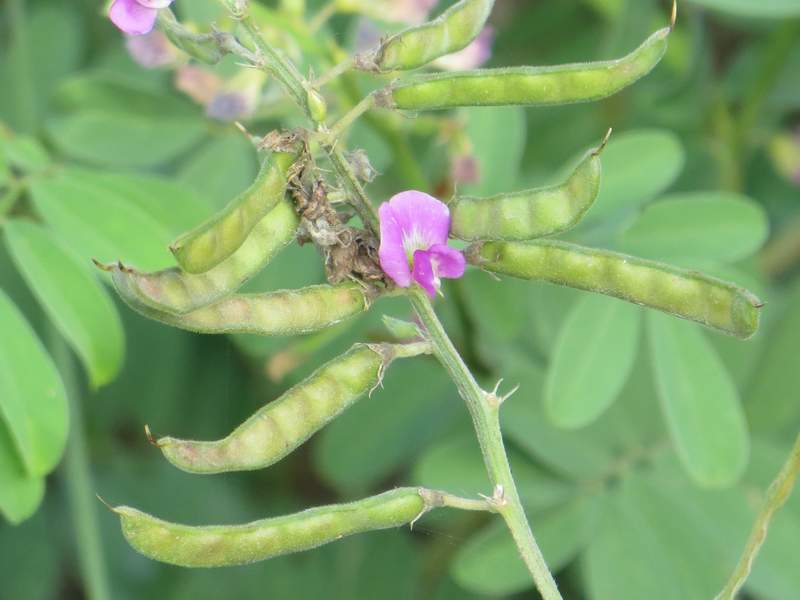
[283, 425]
[450, 32]
[284, 312]
[215, 240]
[679, 292]
[221, 546]
[526, 86]
[529, 214]
[174, 291]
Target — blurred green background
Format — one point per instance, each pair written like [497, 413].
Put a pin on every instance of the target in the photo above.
[653, 498]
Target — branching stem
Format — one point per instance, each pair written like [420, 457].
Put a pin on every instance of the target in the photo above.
[485, 417]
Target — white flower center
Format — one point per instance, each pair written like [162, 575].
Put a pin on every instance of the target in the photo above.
[413, 242]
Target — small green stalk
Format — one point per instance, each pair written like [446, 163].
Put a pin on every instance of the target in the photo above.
[777, 495]
[484, 409]
[78, 479]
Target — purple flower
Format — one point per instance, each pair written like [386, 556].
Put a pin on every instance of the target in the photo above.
[414, 230]
[136, 17]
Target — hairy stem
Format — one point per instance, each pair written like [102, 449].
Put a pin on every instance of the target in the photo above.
[78, 481]
[777, 495]
[484, 409]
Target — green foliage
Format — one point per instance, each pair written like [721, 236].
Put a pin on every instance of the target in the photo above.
[641, 444]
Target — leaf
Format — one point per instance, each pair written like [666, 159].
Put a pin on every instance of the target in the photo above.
[498, 141]
[25, 153]
[377, 435]
[709, 225]
[72, 297]
[33, 404]
[774, 9]
[771, 399]
[125, 140]
[665, 540]
[490, 562]
[637, 167]
[99, 224]
[699, 401]
[631, 426]
[221, 168]
[170, 203]
[593, 356]
[20, 493]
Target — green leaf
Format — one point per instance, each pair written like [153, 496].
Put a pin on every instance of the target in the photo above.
[107, 93]
[771, 402]
[20, 493]
[221, 168]
[72, 297]
[593, 356]
[708, 225]
[490, 563]
[170, 203]
[631, 426]
[699, 401]
[774, 9]
[99, 224]
[125, 140]
[26, 153]
[498, 141]
[5, 170]
[33, 403]
[664, 540]
[637, 167]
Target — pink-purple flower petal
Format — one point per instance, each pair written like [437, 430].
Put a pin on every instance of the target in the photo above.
[425, 272]
[132, 17]
[423, 220]
[447, 262]
[391, 253]
[414, 231]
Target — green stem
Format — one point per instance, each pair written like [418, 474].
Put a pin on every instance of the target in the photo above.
[359, 200]
[78, 480]
[23, 88]
[777, 495]
[404, 160]
[354, 113]
[322, 17]
[484, 409]
[283, 70]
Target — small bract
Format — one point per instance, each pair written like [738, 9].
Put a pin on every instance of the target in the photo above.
[414, 231]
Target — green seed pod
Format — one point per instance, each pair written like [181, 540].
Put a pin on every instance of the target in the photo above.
[221, 546]
[285, 312]
[450, 32]
[283, 425]
[531, 213]
[679, 292]
[174, 291]
[215, 240]
[526, 86]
